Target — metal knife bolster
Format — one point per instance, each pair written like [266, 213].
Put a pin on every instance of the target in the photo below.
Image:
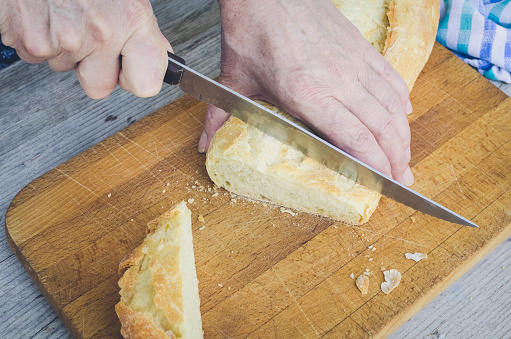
[211, 92]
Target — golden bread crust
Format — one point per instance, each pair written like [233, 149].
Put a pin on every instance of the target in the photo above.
[152, 294]
[411, 36]
[137, 325]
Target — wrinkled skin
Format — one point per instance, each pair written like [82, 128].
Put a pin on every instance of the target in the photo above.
[89, 36]
[305, 57]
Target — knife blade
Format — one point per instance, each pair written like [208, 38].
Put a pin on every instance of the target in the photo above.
[212, 92]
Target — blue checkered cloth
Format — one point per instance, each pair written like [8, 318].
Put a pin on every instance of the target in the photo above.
[479, 33]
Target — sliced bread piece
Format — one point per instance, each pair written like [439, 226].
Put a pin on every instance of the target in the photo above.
[159, 289]
[248, 162]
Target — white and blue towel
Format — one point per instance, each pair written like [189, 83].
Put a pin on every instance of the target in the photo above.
[479, 33]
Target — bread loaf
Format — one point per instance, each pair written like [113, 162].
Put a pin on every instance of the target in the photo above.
[159, 289]
[245, 161]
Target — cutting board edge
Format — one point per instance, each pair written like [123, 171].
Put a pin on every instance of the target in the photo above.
[456, 274]
[18, 253]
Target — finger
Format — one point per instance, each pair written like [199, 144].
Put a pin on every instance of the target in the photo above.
[98, 74]
[380, 123]
[389, 99]
[26, 56]
[344, 130]
[164, 39]
[385, 70]
[144, 62]
[215, 118]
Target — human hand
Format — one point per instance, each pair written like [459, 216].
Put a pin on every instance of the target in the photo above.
[90, 37]
[308, 59]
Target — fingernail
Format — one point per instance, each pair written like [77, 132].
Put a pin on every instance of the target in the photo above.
[409, 108]
[202, 142]
[408, 177]
[408, 154]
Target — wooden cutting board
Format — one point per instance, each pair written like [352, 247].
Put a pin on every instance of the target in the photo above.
[264, 271]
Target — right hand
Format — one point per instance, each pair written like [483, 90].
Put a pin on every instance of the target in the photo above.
[90, 36]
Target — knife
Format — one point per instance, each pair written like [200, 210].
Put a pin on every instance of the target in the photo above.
[211, 92]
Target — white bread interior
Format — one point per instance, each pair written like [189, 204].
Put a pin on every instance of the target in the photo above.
[159, 289]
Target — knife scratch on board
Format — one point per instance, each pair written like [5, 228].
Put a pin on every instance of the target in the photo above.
[158, 158]
[140, 162]
[200, 122]
[91, 191]
[119, 161]
[457, 183]
[295, 301]
[386, 235]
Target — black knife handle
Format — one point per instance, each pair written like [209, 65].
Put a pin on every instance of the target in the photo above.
[174, 72]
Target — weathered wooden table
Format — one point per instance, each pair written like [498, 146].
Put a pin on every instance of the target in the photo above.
[45, 119]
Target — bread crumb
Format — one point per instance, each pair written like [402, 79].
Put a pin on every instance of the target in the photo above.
[131, 219]
[363, 283]
[285, 210]
[200, 218]
[470, 298]
[352, 276]
[215, 195]
[209, 189]
[374, 249]
[220, 285]
[194, 186]
[370, 246]
[392, 280]
[370, 259]
[202, 228]
[416, 256]
[229, 288]
[162, 207]
[109, 195]
[382, 268]
[168, 184]
[412, 218]
[503, 267]
[163, 191]
[191, 200]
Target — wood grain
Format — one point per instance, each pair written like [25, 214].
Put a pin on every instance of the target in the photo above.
[264, 273]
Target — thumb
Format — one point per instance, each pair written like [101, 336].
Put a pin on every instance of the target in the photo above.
[215, 118]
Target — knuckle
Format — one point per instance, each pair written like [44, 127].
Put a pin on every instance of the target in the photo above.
[386, 128]
[100, 30]
[361, 140]
[37, 48]
[392, 102]
[139, 11]
[387, 71]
